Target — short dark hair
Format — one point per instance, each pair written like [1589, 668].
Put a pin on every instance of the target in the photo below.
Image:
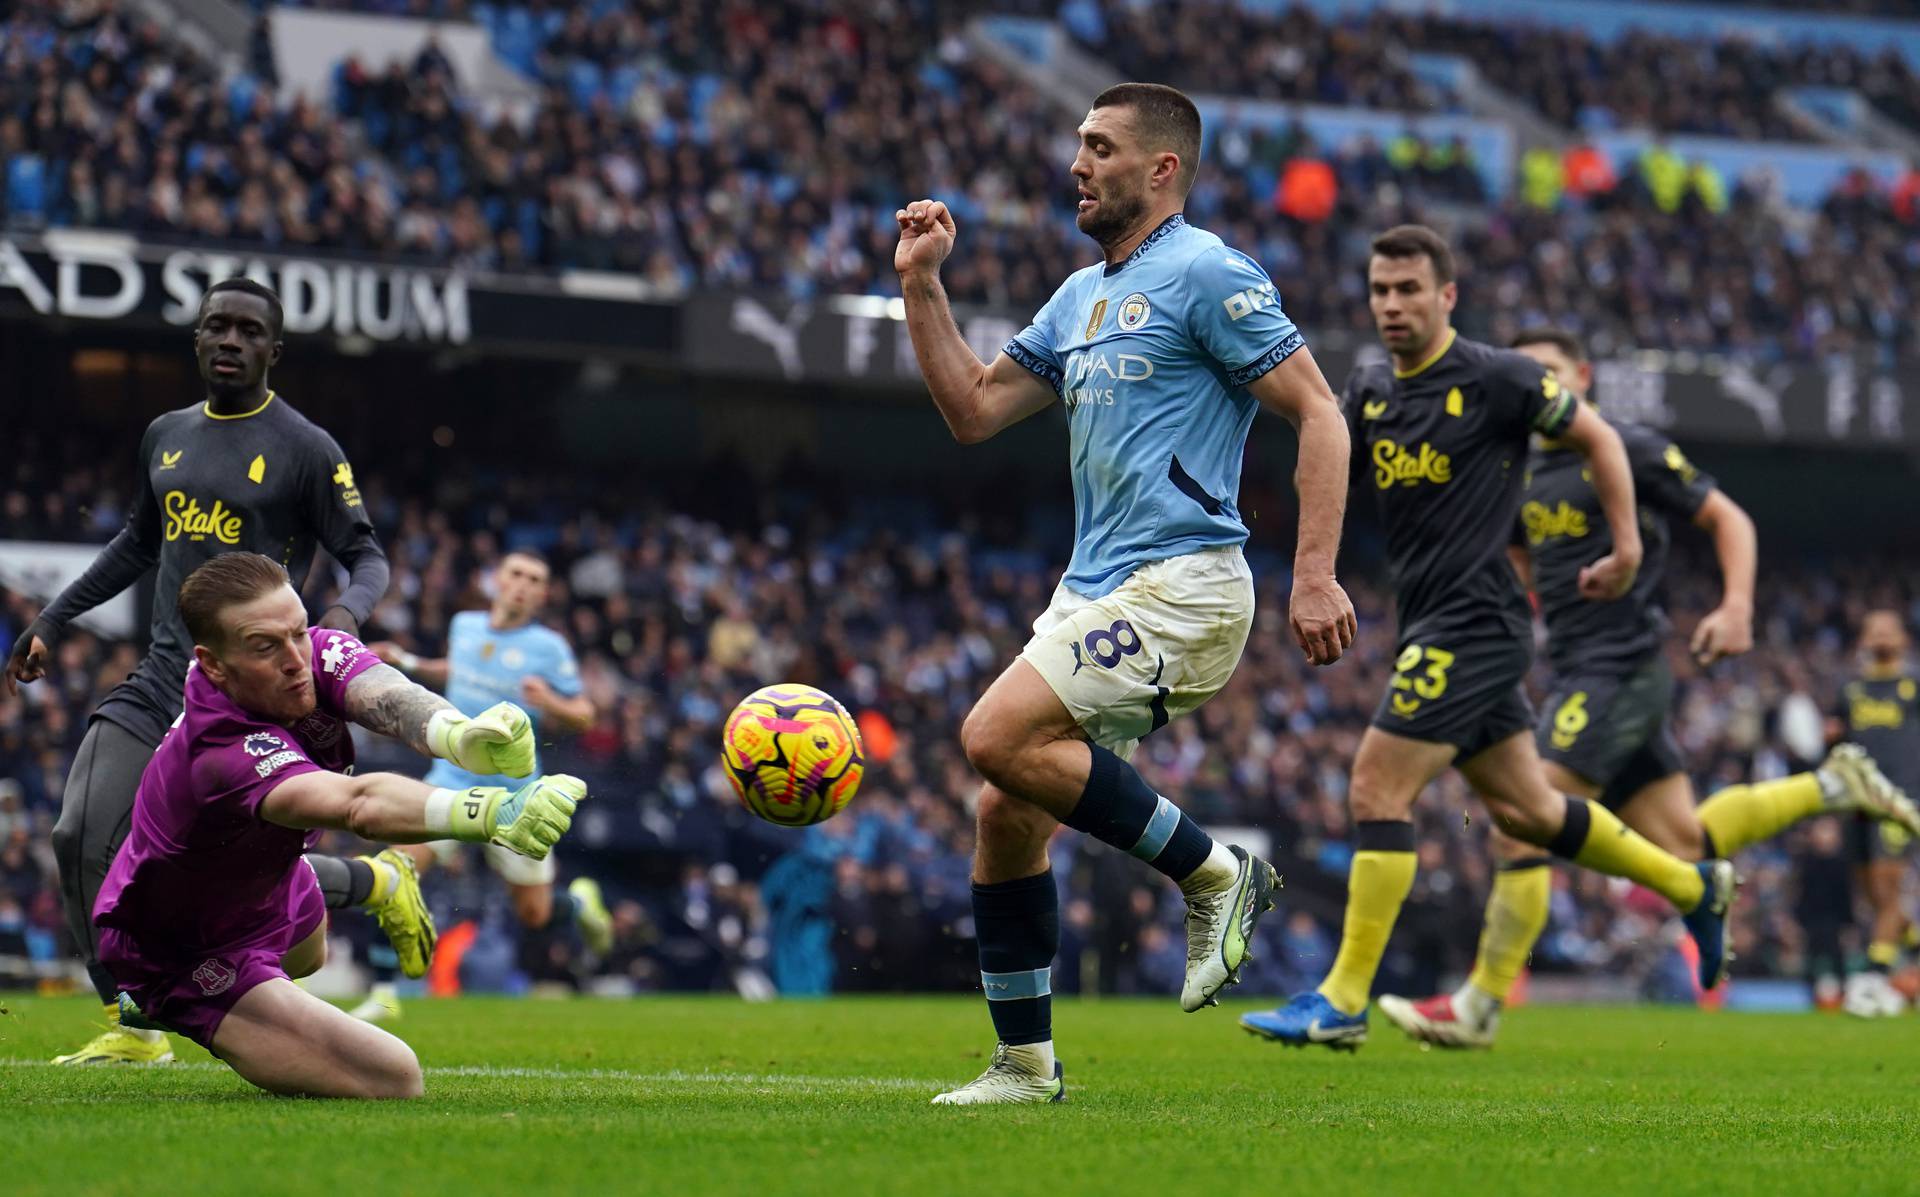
[247, 286]
[222, 582]
[1417, 241]
[533, 555]
[1164, 118]
[1564, 340]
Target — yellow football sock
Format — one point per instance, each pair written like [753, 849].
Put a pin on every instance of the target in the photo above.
[1883, 956]
[1516, 914]
[386, 879]
[1377, 883]
[1742, 815]
[1595, 838]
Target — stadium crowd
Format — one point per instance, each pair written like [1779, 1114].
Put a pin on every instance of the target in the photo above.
[766, 146]
[679, 609]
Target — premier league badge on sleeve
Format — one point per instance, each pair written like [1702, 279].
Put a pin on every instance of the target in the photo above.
[262, 744]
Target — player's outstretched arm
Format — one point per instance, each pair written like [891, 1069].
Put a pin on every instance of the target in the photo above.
[1727, 630]
[118, 566]
[431, 671]
[389, 808]
[131, 553]
[1320, 612]
[1594, 439]
[499, 740]
[976, 399]
[570, 713]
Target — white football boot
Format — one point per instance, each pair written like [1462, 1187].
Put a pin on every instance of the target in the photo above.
[1013, 1078]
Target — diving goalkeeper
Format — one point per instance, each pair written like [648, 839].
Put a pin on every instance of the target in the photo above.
[208, 910]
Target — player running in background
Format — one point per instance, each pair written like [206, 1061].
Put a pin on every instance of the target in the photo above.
[1604, 733]
[1441, 435]
[209, 909]
[1161, 354]
[240, 470]
[498, 655]
[1880, 710]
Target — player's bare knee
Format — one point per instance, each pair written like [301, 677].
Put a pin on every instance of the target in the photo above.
[1526, 820]
[992, 743]
[1371, 797]
[399, 1078]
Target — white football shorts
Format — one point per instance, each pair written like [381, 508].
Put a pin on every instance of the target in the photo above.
[513, 868]
[1163, 643]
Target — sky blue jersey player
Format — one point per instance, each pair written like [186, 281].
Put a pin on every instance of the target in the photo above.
[519, 663]
[1160, 354]
[503, 655]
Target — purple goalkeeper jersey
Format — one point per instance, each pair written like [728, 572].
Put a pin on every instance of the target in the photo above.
[200, 869]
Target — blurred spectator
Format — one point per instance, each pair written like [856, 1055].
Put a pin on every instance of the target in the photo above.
[1308, 188]
[767, 145]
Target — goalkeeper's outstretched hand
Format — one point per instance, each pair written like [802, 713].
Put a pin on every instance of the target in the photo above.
[499, 740]
[529, 820]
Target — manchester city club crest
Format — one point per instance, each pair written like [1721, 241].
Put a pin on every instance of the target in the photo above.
[1134, 310]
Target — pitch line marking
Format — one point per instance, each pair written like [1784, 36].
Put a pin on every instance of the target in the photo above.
[669, 1077]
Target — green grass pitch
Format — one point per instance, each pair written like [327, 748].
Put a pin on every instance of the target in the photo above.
[712, 1095]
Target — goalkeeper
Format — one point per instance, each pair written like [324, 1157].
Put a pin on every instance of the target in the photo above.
[208, 910]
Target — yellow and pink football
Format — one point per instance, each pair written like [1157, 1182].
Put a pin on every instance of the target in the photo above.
[793, 754]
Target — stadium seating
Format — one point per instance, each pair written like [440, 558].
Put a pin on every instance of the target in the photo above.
[673, 142]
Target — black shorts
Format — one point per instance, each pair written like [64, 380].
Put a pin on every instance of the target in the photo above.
[1458, 684]
[1870, 839]
[1610, 727]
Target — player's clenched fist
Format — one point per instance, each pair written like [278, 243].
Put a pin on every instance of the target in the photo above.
[1609, 578]
[926, 237]
[27, 662]
[1322, 618]
[529, 820]
[497, 740]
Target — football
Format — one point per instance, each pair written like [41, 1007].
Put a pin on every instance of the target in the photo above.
[793, 754]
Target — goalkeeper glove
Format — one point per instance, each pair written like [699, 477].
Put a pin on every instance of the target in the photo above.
[529, 820]
[499, 740]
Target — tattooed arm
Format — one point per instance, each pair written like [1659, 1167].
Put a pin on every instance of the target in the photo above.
[383, 700]
[497, 741]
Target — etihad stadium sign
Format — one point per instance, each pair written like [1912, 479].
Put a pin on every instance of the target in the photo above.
[89, 275]
[106, 276]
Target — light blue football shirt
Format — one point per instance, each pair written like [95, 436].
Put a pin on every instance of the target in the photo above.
[1152, 358]
[486, 665]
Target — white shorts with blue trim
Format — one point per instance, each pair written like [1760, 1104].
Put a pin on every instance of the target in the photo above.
[1165, 641]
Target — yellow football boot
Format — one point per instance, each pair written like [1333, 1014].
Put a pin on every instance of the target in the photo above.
[121, 1045]
[400, 910]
